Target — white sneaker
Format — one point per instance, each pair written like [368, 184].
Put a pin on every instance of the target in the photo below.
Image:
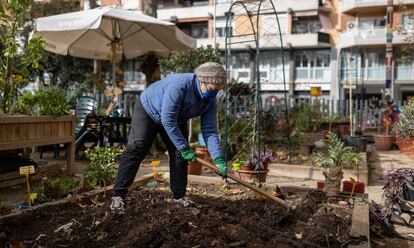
[185, 201]
[117, 204]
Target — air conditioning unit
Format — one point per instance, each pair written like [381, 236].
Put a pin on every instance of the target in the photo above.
[351, 25]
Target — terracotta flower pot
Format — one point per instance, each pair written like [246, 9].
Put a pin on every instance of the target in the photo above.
[406, 146]
[194, 168]
[251, 176]
[383, 142]
[333, 178]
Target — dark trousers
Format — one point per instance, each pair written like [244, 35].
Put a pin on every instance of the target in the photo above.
[142, 134]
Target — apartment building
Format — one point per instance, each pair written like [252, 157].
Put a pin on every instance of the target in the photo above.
[326, 43]
[363, 47]
[306, 27]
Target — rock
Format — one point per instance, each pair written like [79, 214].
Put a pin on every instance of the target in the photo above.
[235, 232]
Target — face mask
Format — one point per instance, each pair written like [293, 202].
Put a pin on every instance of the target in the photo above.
[210, 94]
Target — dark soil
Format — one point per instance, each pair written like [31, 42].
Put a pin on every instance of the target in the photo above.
[151, 220]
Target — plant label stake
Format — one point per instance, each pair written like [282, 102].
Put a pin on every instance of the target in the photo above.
[154, 165]
[27, 170]
[353, 186]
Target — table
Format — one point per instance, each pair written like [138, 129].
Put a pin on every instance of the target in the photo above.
[109, 129]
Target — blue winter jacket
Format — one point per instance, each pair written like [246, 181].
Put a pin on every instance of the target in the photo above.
[174, 100]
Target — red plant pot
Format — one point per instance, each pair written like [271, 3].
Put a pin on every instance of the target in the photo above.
[251, 176]
[246, 168]
[320, 184]
[266, 165]
[347, 187]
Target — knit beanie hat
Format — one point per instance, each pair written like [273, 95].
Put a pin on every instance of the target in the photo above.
[211, 73]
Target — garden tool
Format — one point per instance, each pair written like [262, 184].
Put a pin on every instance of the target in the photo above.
[287, 204]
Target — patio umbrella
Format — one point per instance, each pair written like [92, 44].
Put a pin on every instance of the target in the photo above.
[108, 32]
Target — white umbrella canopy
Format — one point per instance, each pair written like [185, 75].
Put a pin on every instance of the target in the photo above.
[103, 32]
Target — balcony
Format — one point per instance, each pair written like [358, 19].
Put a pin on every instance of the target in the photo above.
[320, 74]
[370, 74]
[404, 73]
[191, 12]
[184, 12]
[224, 6]
[367, 37]
[297, 5]
[365, 6]
[289, 41]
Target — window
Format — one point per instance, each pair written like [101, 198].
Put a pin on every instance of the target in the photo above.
[408, 22]
[221, 28]
[223, 1]
[271, 67]
[308, 24]
[312, 65]
[196, 29]
[199, 30]
[371, 22]
[130, 4]
[132, 72]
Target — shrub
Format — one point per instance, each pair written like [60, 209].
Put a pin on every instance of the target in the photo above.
[405, 124]
[101, 171]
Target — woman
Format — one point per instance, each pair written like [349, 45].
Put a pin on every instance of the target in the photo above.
[164, 108]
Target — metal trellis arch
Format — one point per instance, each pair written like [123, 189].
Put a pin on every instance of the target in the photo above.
[251, 26]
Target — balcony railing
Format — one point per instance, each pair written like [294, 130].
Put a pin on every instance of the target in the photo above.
[404, 72]
[313, 74]
[375, 73]
[369, 74]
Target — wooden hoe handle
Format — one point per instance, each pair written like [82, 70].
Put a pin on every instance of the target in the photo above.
[284, 203]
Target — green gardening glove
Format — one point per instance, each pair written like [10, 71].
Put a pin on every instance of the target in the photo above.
[188, 154]
[221, 165]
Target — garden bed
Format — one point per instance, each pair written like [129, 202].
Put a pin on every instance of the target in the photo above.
[315, 173]
[222, 218]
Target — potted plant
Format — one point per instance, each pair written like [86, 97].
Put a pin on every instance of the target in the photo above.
[255, 168]
[333, 162]
[384, 142]
[352, 185]
[237, 164]
[195, 168]
[404, 129]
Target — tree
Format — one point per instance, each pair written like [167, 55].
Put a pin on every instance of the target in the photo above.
[188, 60]
[15, 59]
[150, 66]
[405, 55]
[63, 71]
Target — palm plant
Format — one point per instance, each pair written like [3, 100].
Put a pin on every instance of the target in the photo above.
[338, 154]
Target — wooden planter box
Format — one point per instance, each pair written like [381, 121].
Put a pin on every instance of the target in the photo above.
[31, 131]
